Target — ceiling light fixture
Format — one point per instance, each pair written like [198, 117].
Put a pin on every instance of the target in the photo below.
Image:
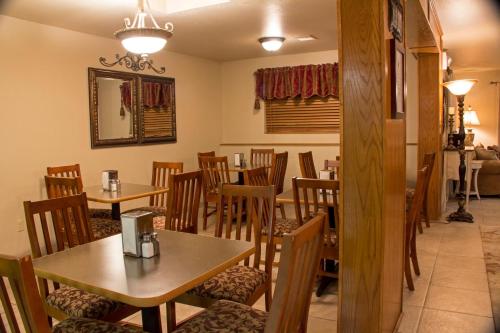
[137, 38]
[271, 44]
[306, 38]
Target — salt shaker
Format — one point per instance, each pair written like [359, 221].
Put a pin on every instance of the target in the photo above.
[147, 246]
[156, 243]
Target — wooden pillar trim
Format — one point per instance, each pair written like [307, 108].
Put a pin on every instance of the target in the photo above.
[372, 193]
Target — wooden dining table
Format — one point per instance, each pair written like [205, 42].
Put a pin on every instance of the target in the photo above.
[127, 192]
[185, 261]
[241, 170]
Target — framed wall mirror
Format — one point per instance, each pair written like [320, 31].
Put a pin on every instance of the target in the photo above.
[130, 109]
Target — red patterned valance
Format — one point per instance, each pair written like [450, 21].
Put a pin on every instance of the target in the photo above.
[299, 81]
[156, 95]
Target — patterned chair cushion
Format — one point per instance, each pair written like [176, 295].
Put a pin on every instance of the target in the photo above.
[159, 222]
[102, 227]
[225, 317]
[283, 226]
[78, 303]
[99, 213]
[235, 284]
[410, 193]
[85, 325]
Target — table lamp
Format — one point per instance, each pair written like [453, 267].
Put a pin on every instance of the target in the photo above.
[460, 88]
[470, 119]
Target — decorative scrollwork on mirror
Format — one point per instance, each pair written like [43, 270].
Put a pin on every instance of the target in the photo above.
[133, 61]
[130, 109]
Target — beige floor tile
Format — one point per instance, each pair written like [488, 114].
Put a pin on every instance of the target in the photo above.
[435, 321]
[459, 278]
[411, 318]
[466, 263]
[472, 249]
[416, 297]
[459, 300]
[318, 325]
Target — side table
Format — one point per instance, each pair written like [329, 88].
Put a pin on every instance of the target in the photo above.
[476, 165]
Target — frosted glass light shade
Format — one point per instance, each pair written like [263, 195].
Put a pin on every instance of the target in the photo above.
[271, 44]
[470, 118]
[143, 40]
[459, 87]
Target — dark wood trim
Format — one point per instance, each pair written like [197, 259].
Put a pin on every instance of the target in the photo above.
[282, 144]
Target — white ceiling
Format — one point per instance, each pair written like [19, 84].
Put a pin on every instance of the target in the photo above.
[471, 33]
[229, 31]
[226, 31]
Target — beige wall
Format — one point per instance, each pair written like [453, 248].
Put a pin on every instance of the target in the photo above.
[245, 126]
[45, 118]
[484, 100]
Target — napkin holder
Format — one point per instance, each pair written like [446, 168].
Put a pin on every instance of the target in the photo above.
[108, 175]
[238, 159]
[134, 224]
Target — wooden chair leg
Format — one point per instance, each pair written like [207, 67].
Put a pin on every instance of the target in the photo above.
[269, 295]
[282, 209]
[413, 252]
[418, 222]
[171, 319]
[409, 279]
[426, 216]
[205, 214]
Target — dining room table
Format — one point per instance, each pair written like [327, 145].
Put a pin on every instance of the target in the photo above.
[127, 192]
[240, 169]
[185, 261]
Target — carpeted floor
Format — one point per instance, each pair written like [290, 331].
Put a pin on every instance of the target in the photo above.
[491, 247]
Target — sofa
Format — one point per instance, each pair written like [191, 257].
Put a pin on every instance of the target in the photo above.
[488, 180]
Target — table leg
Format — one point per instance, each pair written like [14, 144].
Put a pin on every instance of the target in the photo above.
[241, 178]
[115, 211]
[476, 171]
[151, 320]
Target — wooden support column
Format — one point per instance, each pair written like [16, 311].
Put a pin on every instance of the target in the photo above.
[373, 161]
[430, 124]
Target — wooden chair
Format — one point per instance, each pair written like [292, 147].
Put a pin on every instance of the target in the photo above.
[19, 274]
[312, 196]
[184, 201]
[246, 283]
[58, 187]
[277, 175]
[292, 296]
[205, 154]
[215, 171]
[261, 157]
[333, 165]
[73, 170]
[158, 203]
[306, 163]
[258, 177]
[57, 224]
[206, 206]
[410, 227]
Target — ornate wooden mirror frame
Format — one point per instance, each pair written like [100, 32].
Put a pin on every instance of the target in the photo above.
[152, 118]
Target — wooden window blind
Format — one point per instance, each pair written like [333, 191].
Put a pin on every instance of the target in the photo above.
[313, 115]
[158, 123]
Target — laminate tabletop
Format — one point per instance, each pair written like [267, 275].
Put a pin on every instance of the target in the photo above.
[185, 261]
[128, 192]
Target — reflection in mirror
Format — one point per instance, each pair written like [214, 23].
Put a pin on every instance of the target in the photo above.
[114, 108]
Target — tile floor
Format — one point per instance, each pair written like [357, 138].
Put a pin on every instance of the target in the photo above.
[451, 294]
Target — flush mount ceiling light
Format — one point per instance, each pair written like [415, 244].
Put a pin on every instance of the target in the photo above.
[271, 44]
[138, 38]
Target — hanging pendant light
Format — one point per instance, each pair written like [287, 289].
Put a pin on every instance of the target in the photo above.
[137, 38]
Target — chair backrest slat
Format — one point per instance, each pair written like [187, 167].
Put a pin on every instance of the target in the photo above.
[278, 171]
[160, 177]
[184, 201]
[72, 170]
[19, 273]
[58, 187]
[299, 261]
[306, 163]
[252, 201]
[261, 157]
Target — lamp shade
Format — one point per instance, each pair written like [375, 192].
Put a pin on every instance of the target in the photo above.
[470, 118]
[271, 44]
[459, 87]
